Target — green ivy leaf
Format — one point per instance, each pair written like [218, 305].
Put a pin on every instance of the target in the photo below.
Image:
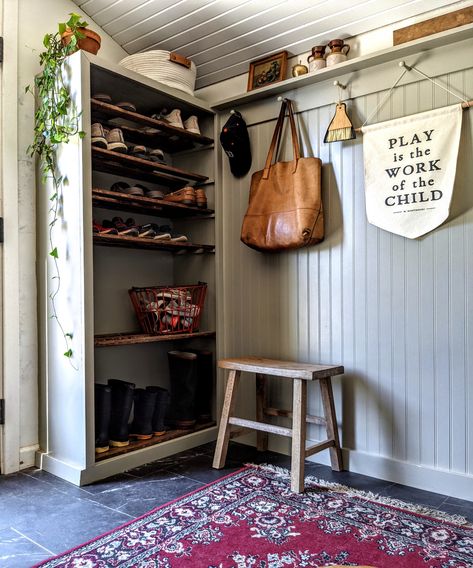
[69, 335]
[62, 28]
[54, 253]
[68, 353]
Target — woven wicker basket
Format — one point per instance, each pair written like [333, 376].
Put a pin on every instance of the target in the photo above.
[164, 66]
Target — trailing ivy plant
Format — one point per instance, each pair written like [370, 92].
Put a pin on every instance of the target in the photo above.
[56, 120]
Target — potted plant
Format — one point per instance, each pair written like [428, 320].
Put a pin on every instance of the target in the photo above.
[56, 120]
[86, 39]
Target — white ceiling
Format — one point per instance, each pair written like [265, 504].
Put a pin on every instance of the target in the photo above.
[223, 36]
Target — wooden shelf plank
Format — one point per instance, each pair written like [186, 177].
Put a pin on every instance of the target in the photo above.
[139, 444]
[178, 137]
[150, 244]
[112, 200]
[114, 162]
[133, 338]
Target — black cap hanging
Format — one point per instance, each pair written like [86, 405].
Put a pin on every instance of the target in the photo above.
[236, 143]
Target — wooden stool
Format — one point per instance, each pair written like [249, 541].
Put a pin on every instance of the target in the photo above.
[299, 373]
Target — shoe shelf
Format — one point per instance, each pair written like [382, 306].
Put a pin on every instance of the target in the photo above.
[117, 339]
[108, 199]
[151, 244]
[123, 164]
[156, 132]
[139, 444]
[97, 278]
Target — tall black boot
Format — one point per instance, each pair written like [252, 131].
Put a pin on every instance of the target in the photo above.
[103, 404]
[143, 410]
[122, 402]
[160, 408]
[205, 381]
[183, 379]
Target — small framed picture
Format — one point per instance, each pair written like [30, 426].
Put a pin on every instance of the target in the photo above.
[267, 71]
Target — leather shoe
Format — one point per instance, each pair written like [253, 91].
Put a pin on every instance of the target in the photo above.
[186, 196]
[201, 198]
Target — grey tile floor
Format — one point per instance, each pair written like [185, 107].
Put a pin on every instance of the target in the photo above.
[42, 515]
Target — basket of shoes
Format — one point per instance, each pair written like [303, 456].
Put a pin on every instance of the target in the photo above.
[169, 310]
[166, 67]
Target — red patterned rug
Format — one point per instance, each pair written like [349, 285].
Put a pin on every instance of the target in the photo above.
[250, 519]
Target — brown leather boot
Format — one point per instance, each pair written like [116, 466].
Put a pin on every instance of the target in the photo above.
[186, 196]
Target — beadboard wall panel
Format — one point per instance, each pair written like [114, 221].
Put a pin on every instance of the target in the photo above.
[397, 313]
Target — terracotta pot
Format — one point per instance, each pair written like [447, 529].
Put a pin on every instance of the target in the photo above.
[90, 43]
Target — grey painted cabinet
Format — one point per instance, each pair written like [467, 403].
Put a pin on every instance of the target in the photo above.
[96, 271]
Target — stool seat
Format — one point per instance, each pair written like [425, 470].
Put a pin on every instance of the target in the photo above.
[288, 369]
[299, 374]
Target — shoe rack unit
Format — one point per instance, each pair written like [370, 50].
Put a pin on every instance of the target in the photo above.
[96, 270]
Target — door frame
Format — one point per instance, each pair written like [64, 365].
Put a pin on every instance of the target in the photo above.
[10, 253]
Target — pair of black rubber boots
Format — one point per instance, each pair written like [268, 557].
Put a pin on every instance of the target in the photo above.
[113, 404]
[191, 388]
[191, 385]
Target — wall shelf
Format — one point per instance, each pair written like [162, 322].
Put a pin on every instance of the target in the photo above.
[153, 131]
[123, 164]
[133, 338]
[140, 444]
[396, 53]
[108, 199]
[150, 244]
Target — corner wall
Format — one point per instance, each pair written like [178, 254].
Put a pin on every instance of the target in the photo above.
[397, 313]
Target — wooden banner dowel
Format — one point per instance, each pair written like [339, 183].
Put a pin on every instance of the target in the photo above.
[466, 105]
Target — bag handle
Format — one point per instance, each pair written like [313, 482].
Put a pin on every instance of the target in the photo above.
[275, 142]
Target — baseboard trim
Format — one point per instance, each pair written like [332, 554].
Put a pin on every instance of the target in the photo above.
[421, 477]
[27, 456]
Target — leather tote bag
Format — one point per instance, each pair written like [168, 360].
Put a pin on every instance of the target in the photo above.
[285, 201]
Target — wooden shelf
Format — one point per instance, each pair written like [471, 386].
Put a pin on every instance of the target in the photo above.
[150, 244]
[139, 444]
[129, 166]
[146, 130]
[133, 338]
[396, 53]
[108, 199]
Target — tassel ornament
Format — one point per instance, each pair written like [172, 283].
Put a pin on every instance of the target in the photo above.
[340, 127]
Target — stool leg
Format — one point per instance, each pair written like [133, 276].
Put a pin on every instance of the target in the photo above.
[261, 403]
[331, 419]
[224, 429]
[299, 412]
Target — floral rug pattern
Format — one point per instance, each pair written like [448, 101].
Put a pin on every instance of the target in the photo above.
[251, 519]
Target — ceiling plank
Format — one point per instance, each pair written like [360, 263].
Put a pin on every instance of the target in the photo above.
[205, 25]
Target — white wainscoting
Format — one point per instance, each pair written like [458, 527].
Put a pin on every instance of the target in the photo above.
[397, 313]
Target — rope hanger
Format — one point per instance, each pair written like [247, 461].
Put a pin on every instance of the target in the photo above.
[465, 104]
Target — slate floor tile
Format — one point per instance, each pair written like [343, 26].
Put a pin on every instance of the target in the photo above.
[454, 509]
[145, 493]
[362, 482]
[200, 469]
[59, 524]
[413, 495]
[17, 551]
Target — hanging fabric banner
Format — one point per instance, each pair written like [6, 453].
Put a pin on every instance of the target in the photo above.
[410, 166]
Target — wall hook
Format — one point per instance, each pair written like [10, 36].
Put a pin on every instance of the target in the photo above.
[405, 65]
[281, 99]
[232, 111]
[338, 84]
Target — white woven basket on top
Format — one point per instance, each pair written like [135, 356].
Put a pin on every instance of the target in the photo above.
[164, 66]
